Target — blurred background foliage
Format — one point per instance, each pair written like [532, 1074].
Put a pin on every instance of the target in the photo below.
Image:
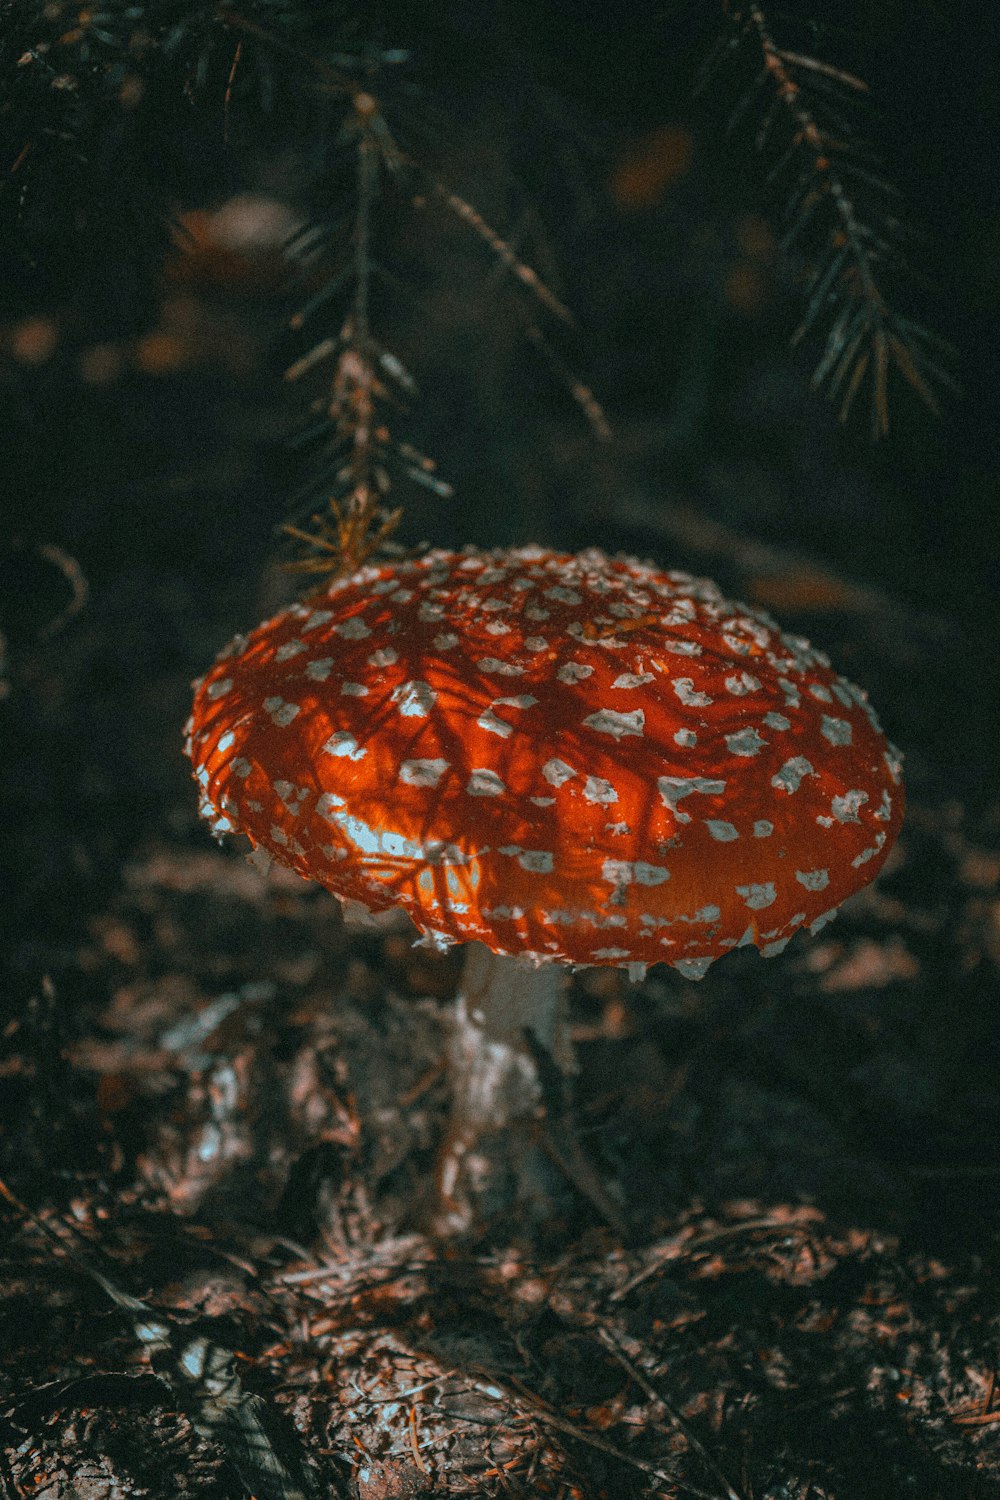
[724, 206]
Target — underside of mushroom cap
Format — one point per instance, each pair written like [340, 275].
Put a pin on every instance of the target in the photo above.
[576, 757]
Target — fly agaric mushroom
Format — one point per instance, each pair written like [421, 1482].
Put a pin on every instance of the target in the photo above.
[559, 760]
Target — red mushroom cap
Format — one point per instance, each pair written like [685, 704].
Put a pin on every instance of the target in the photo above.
[577, 757]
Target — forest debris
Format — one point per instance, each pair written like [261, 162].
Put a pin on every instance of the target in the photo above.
[200, 1373]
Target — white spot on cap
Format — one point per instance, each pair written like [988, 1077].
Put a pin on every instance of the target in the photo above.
[414, 699]
[536, 861]
[763, 828]
[741, 683]
[789, 778]
[353, 629]
[736, 643]
[226, 741]
[745, 742]
[722, 831]
[596, 789]
[758, 896]
[289, 649]
[692, 968]
[236, 647]
[320, 669]
[813, 880]
[522, 700]
[496, 668]
[673, 788]
[883, 812]
[557, 771]
[483, 783]
[384, 657]
[316, 618]
[574, 671]
[632, 679]
[607, 721]
[495, 725]
[563, 595]
[619, 872]
[280, 712]
[446, 641]
[327, 804]
[777, 721]
[845, 808]
[822, 693]
[535, 643]
[820, 921]
[686, 738]
[867, 854]
[219, 688]
[792, 695]
[343, 744]
[241, 768]
[377, 840]
[292, 796]
[684, 688]
[354, 690]
[422, 772]
[837, 731]
[609, 953]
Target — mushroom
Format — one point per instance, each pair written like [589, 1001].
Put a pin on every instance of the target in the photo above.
[557, 760]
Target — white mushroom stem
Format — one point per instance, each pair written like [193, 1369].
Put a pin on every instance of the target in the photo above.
[494, 1075]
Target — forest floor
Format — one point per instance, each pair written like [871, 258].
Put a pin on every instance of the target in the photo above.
[225, 1103]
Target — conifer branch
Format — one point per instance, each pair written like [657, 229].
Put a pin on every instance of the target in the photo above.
[841, 217]
[76, 82]
[354, 433]
[359, 459]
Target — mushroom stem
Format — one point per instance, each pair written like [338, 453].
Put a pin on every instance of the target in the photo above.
[502, 1004]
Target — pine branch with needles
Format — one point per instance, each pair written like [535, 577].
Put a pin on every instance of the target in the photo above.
[842, 218]
[358, 455]
[82, 88]
[358, 460]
